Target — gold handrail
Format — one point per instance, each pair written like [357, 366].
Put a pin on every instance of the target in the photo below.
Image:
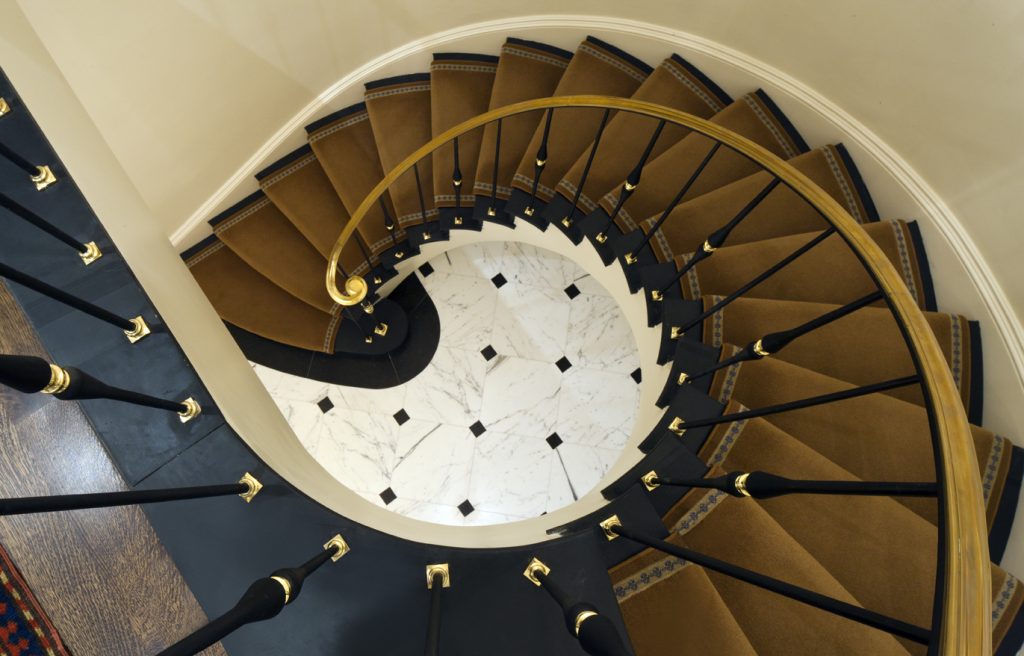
[966, 612]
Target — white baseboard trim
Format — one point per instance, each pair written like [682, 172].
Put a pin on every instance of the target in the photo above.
[727, 66]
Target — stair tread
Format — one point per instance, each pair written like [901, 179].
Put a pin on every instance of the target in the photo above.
[460, 89]
[672, 84]
[399, 111]
[594, 69]
[347, 151]
[526, 70]
[751, 116]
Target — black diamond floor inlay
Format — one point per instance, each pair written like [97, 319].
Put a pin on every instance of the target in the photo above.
[325, 404]
[426, 269]
[387, 496]
[498, 280]
[478, 429]
[488, 352]
[401, 416]
[636, 375]
[563, 364]
[466, 508]
[554, 441]
[572, 291]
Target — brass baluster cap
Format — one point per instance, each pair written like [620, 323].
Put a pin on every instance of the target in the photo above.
[434, 570]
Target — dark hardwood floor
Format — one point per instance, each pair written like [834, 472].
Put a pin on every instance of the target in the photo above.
[102, 575]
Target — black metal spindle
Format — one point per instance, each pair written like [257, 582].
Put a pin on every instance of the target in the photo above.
[613, 529]
[264, 599]
[775, 342]
[632, 257]
[716, 239]
[680, 426]
[389, 223]
[457, 182]
[423, 205]
[31, 375]
[768, 273]
[568, 219]
[89, 252]
[595, 632]
[247, 488]
[135, 328]
[539, 163]
[762, 485]
[42, 176]
[492, 209]
[438, 578]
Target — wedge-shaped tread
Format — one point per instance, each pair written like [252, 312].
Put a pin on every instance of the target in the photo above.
[244, 297]
[753, 116]
[399, 110]
[676, 84]
[526, 70]
[346, 149]
[596, 68]
[460, 89]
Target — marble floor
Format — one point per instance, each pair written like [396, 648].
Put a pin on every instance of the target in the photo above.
[529, 399]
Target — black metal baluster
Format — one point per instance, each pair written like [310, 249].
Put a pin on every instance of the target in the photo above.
[89, 252]
[426, 231]
[761, 485]
[438, 578]
[135, 329]
[680, 426]
[457, 182]
[566, 224]
[32, 375]
[42, 176]
[715, 240]
[539, 163]
[595, 632]
[264, 599]
[613, 529]
[678, 331]
[775, 342]
[247, 488]
[492, 208]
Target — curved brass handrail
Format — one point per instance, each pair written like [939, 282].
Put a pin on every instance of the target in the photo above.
[965, 627]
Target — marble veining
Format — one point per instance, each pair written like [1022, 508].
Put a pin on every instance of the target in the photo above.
[469, 441]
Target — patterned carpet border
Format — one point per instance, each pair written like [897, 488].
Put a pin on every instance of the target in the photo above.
[25, 630]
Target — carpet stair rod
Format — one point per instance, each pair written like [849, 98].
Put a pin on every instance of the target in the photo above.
[247, 487]
[42, 176]
[438, 578]
[89, 252]
[264, 599]
[679, 426]
[31, 375]
[135, 329]
[539, 163]
[567, 220]
[762, 485]
[716, 239]
[595, 632]
[679, 331]
[492, 209]
[632, 257]
[775, 342]
[614, 529]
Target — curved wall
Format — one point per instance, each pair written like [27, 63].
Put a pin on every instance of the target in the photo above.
[184, 93]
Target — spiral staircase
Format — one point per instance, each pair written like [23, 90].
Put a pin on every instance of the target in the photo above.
[808, 486]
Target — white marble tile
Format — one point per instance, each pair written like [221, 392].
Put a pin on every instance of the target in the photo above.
[484, 518]
[385, 401]
[286, 386]
[597, 408]
[358, 449]
[511, 474]
[437, 467]
[560, 492]
[521, 396]
[481, 260]
[599, 336]
[530, 322]
[465, 307]
[427, 512]
[586, 465]
[528, 265]
[449, 390]
[305, 419]
[587, 284]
